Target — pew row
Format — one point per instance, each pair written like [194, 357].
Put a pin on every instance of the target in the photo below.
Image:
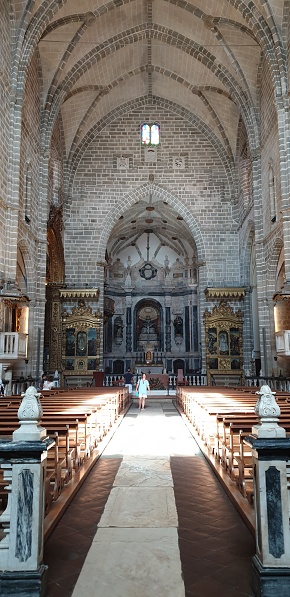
[80, 422]
[221, 419]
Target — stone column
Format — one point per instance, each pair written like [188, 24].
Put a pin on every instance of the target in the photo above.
[283, 120]
[187, 330]
[201, 306]
[128, 325]
[23, 461]
[262, 299]
[271, 448]
[167, 329]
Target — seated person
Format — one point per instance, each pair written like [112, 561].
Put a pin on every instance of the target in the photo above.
[47, 385]
[41, 382]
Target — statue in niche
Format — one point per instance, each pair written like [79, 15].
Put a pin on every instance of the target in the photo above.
[118, 330]
[178, 329]
[166, 266]
[81, 344]
[128, 279]
[129, 264]
[223, 342]
[178, 326]
[212, 341]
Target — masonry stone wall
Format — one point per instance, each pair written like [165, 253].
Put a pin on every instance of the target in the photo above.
[269, 228]
[29, 231]
[4, 120]
[269, 152]
[202, 187]
[56, 167]
[245, 218]
[244, 174]
[30, 160]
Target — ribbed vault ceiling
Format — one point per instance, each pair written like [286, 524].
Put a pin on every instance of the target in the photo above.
[152, 216]
[203, 56]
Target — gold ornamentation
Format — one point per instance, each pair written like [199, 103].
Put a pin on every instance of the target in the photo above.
[225, 293]
[55, 260]
[225, 364]
[80, 321]
[80, 293]
[222, 311]
[223, 340]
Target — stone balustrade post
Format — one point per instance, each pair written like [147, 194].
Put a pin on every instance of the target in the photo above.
[23, 461]
[271, 452]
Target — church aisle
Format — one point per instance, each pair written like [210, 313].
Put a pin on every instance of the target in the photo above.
[162, 496]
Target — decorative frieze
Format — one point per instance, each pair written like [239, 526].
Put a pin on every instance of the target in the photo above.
[225, 293]
[80, 293]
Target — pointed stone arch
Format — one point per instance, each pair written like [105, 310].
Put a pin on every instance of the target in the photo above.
[29, 266]
[138, 194]
[246, 252]
[272, 265]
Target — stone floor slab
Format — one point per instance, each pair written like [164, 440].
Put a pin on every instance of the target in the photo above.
[144, 473]
[132, 563]
[140, 507]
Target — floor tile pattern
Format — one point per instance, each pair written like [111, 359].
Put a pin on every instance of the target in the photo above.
[67, 547]
[215, 545]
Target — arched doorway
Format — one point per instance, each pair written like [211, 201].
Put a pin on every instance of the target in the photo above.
[178, 364]
[118, 367]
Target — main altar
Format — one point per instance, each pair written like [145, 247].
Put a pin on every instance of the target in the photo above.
[149, 369]
[158, 381]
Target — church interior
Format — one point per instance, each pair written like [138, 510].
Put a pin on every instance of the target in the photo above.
[164, 196]
[144, 207]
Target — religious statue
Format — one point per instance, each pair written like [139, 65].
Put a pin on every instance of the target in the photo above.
[223, 342]
[118, 330]
[178, 326]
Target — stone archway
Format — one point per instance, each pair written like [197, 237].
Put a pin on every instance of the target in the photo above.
[178, 364]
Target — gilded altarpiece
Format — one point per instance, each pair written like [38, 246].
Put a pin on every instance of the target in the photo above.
[224, 337]
[81, 333]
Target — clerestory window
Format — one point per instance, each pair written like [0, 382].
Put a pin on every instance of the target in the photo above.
[150, 134]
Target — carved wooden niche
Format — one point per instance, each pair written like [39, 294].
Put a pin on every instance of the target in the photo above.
[81, 340]
[224, 341]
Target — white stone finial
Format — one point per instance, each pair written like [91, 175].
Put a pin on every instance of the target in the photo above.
[268, 411]
[29, 415]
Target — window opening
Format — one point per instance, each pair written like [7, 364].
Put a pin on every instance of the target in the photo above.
[150, 134]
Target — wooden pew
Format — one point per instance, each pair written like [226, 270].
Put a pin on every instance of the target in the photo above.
[234, 416]
[77, 420]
